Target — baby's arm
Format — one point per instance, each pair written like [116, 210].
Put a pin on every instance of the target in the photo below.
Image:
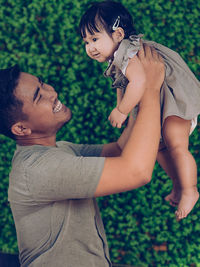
[116, 118]
[135, 88]
[119, 96]
[134, 91]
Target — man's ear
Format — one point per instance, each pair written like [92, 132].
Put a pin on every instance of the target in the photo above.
[118, 34]
[19, 129]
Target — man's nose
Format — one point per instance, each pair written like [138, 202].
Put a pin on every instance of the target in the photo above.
[53, 95]
[50, 93]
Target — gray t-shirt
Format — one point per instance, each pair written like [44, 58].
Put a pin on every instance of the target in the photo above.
[51, 193]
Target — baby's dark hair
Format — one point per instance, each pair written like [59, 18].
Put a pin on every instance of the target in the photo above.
[10, 106]
[104, 14]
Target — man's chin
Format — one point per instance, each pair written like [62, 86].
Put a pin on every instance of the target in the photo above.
[69, 115]
[68, 118]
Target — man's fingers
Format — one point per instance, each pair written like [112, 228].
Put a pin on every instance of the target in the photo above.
[160, 58]
[154, 54]
[141, 53]
[147, 51]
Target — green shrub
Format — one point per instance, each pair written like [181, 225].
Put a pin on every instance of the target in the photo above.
[42, 37]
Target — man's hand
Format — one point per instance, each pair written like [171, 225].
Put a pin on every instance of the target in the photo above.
[153, 66]
[117, 118]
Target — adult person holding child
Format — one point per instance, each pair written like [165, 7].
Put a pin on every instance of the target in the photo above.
[53, 185]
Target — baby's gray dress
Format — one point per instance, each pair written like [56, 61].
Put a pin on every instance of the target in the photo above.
[180, 93]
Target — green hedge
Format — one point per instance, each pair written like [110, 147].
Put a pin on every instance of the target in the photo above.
[42, 36]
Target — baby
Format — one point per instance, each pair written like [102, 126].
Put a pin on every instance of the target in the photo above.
[109, 35]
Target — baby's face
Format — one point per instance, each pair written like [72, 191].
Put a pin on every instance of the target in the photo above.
[100, 46]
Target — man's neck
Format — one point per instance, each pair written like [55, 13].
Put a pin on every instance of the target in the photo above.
[37, 140]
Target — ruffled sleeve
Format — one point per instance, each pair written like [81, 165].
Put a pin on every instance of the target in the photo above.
[128, 48]
[131, 50]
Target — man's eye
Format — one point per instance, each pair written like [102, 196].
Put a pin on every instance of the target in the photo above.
[41, 83]
[39, 98]
[40, 80]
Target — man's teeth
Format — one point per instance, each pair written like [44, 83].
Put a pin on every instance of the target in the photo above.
[58, 107]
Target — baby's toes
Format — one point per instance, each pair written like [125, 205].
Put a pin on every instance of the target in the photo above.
[180, 214]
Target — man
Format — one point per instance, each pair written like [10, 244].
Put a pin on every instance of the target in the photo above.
[53, 186]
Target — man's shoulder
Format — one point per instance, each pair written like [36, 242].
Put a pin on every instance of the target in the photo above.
[26, 155]
[65, 144]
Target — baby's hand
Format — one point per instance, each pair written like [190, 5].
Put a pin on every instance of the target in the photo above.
[117, 118]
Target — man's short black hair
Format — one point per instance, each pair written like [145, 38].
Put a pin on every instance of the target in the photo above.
[10, 106]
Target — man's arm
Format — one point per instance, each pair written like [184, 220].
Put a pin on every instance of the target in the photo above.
[133, 168]
[114, 149]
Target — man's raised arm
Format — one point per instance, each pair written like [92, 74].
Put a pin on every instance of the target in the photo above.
[133, 168]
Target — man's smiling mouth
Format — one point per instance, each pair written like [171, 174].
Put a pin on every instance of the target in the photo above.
[57, 107]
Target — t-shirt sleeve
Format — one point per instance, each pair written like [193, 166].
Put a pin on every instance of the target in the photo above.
[85, 150]
[57, 175]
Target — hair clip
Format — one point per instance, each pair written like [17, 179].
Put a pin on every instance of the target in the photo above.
[116, 24]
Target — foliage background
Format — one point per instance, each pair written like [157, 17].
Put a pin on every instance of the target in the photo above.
[42, 37]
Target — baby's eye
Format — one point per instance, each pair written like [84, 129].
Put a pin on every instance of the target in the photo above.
[94, 39]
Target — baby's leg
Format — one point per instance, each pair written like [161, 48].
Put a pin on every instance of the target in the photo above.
[176, 135]
[166, 162]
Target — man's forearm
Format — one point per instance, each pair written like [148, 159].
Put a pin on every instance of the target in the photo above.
[114, 149]
[134, 167]
[111, 150]
[149, 136]
[143, 143]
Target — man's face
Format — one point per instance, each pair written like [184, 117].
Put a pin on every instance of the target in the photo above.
[46, 114]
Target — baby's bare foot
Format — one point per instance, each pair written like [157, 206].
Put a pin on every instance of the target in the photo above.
[173, 198]
[187, 202]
